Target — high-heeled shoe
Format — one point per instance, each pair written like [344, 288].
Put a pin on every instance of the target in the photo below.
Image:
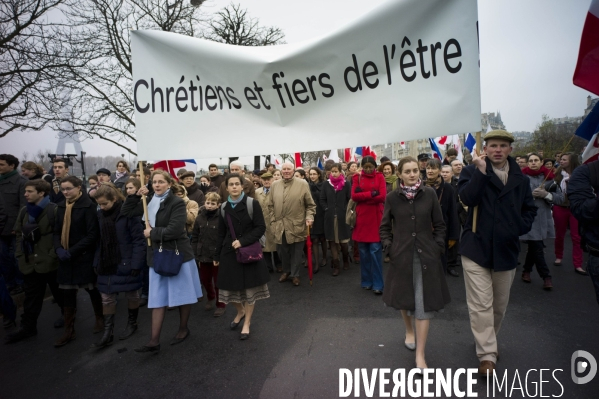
[244, 336]
[148, 349]
[234, 325]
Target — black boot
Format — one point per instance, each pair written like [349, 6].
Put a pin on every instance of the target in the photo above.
[131, 324]
[108, 336]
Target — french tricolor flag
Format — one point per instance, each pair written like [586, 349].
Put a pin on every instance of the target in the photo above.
[589, 130]
[586, 74]
[173, 166]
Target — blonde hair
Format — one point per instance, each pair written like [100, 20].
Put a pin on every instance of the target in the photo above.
[169, 179]
[213, 197]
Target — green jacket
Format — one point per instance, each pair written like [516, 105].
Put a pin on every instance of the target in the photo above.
[44, 258]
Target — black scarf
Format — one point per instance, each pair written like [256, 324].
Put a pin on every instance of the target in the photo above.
[192, 189]
[110, 254]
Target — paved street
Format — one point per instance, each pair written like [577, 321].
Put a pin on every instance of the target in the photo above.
[301, 337]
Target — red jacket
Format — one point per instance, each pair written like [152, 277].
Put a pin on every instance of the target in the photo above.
[369, 209]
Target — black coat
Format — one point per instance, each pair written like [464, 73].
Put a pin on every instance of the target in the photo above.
[194, 193]
[132, 246]
[505, 212]
[204, 237]
[446, 196]
[83, 238]
[234, 276]
[170, 225]
[584, 204]
[318, 227]
[334, 204]
[409, 225]
[462, 213]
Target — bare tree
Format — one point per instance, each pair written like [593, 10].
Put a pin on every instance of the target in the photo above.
[233, 25]
[94, 97]
[29, 54]
[551, 137]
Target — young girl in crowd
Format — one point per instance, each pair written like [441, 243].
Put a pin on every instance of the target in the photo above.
[369, 191]
[413, 235]
[167, 217]
[119, 261]
[542, 226]
[240, 283]
[562, 217]
[334, 196]
[132, 186]
[276, 175]
[204, 240]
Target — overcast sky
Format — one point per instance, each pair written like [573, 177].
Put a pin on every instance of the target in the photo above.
[528, 51]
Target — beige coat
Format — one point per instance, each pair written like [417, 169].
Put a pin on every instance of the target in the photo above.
[192, 213]
[290, 204]
[271, 246]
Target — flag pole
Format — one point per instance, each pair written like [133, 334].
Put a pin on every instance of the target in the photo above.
[142, 177]
[475, 213]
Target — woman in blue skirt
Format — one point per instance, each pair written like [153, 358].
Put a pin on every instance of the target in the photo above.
[167, 216]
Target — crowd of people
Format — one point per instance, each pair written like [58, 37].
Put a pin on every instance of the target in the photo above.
[158, 239]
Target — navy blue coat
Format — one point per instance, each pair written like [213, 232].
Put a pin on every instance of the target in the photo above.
[505, 212]
[584, 203]
[132, 245]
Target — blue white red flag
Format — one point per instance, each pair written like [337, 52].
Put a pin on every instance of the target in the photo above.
[436, 152]
[585, 74]
[589, 130]
[173, 166]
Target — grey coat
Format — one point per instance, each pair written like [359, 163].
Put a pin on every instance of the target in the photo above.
[542, 226]
[408, 225]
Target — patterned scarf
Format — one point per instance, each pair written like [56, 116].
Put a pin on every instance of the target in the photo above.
[66, 224]
[410, 191]
[434, 183]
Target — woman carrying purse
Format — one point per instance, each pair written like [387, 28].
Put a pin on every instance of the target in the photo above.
[240, 282]
[167, 217]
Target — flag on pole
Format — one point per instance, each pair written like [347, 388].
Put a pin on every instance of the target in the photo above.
[276, 160]
[402, 144]
[436, 152]
[366, 151]
[589, 130]
[347, 154]
[298, 160]
[173, 166]
[470, 142]
[319, 165]
[358, 151]
[373, 154]
[585, 74]
[334, 156]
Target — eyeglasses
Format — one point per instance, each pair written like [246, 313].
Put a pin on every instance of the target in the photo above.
[66, 189]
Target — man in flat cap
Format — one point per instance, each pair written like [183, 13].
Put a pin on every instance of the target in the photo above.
[493, 187]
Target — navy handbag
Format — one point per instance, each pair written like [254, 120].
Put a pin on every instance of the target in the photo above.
[167, 262]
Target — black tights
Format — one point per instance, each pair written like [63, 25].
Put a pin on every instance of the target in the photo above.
[70, 297]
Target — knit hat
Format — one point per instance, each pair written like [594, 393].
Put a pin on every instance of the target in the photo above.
[103, 171]
[368, 159]
[187, 174]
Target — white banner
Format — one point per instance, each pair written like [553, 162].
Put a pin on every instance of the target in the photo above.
[407, 70]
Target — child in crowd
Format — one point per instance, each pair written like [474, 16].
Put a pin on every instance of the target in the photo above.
[132, 186]
[204, 238]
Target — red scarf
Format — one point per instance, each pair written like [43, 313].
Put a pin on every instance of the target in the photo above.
[546, 172]
[337, 183]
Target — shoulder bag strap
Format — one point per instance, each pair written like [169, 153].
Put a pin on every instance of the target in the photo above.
[231, 228]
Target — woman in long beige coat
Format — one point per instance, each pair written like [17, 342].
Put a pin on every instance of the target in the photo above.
[413, 235]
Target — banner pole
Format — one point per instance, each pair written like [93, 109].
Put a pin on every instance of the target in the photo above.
[142, 178]
[475, 213]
